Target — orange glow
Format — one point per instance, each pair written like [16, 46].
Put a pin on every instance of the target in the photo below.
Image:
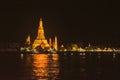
[50, 42]
[40, 63]
[55, 57]
[40, 37]
[28, 40]
[45, 65]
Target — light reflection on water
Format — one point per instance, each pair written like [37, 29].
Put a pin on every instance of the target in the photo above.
[44, 66]
[62, 66]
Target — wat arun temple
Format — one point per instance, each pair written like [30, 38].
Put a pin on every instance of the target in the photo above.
[41, 44]
[41, 41]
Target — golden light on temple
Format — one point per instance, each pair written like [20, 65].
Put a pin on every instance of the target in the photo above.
[50, 42]
[40, 43]
[28, 40]
[40, 39]
[99, 50]
[109, 50]
[56, 43]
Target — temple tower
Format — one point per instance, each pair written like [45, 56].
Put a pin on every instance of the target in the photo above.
[28, 40]
[55, 44]
[40, 39]
[50, 42]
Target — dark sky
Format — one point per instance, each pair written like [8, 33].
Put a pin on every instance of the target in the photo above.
[72, 21]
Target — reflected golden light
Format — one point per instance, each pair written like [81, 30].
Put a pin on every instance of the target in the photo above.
[45, 66]
[55, 57]
[40, 64]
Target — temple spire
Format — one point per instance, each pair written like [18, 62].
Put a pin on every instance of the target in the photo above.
[56, 43]
[40, 39]
[40, 23]
[40, 30]
[28, 40]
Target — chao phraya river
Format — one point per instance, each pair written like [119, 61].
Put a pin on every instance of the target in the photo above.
[15, 66]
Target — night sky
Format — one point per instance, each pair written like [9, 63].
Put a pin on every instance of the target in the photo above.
[86, 21]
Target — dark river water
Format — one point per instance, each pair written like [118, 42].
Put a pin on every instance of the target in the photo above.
[15, 66]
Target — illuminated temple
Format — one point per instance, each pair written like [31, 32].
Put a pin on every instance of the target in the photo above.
[41, 43]
[41, 40]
